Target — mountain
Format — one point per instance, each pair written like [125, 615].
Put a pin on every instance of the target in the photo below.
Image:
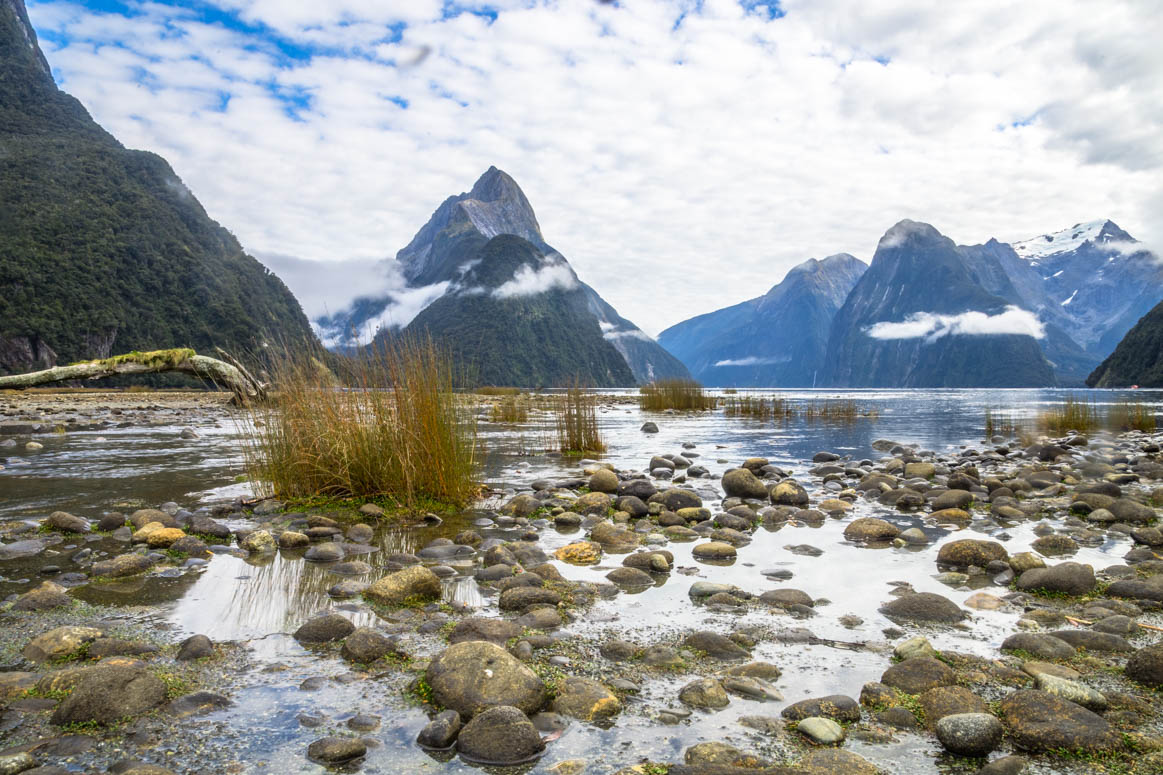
[480, 277]
[919, 318]
[103, 249]
[1100, 278]
[778, 339]
[1138, 359]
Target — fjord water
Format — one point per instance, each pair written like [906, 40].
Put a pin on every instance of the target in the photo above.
[259, 602]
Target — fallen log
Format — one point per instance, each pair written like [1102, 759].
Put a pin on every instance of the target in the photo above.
[246, 388]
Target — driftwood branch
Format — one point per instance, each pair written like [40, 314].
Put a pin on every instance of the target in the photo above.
[245, 388]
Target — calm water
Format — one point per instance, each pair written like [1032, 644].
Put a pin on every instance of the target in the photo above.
[259, 602]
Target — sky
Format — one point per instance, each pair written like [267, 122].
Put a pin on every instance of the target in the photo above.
[682, 154]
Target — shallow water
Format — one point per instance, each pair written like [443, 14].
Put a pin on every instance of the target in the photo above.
[233, 598]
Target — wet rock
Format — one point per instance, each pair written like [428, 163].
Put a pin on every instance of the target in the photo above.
[521, 506]
[914, 647]
[63, 522]
[597, 503]
[1055, 545]
[1073, 691]
[165, 537]
[500, 735]
[953, 499]
[1039, 644]
[1069, 578]
[195, 647]
[440, 733]
[1146, 666]
[715, 645]
[919, 674]
[751, 688]
[870, 529]
[969, 734]
[923, 607]
[473, 675]
[259, 542]
[942, 701]
[832, 761]
[122, 565]
[18, 550]
[970, 551]
[328, 552]
[822, 731]
[44, 597]
[789, 492]
[365, 645]
[110, 693]
[630, 577]
[585, 699]
[712, 755]
[1006, 765]
[714, 550]
[836, 706]
[656, 562]
[103, 648]
[414, 584]
[1095, 641]
[580, 553]
[521, 598]
[742, 483]
[197, 703]
[786, 598]
[13, 763]
[705, 694]
[336, 750]
[649, 427]
[495, 631]
[1039, 722]
[59, 643]
[604, 480]
[289, 539]
[324, 629]
[539, 619]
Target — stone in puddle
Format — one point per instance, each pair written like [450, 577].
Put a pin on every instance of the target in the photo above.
[923, 607]
[823, 731]
[324, 629]
[500, 735]
[107, 694]
[440, 733]
[414, 583]
[705, 693]
[585, 699]
[336, 750]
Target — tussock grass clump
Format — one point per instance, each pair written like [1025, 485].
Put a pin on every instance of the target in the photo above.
[681, 394]
[1071, 415]
[757, 407]
[1131, 416]
[490, 390]
[510, 409]
[575, 420]
[1001, 424]
[394, 430]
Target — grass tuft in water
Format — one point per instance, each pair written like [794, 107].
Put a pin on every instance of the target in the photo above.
[1131, 416]
[510, 409]
[1071, 415]
[575, 421]
[394, 430]
[679, 394]
[757, 407]
[491, 390]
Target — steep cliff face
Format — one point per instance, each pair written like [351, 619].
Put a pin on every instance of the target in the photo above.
[1138, 359]
[510, 306]
[919, 318]
[104, 249]
[778, 339]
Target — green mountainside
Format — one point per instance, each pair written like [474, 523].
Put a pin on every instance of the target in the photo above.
[1138, 359]
[103, 249]
[546, 339]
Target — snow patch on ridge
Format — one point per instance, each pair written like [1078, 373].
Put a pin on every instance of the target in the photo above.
[1059, 242]
[931, 327]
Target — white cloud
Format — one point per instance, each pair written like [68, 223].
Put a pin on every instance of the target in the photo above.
[644, 146]
[932, 327]
[633, 333]
[750, 361]
[528, 281]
